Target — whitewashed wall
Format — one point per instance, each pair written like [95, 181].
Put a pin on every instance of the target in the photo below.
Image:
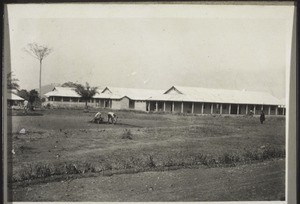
[120, 104]
[140, 105]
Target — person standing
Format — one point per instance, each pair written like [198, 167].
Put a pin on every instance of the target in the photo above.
[262, 117]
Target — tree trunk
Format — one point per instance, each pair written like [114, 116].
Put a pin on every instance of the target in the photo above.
[40, 85]
[86, 106]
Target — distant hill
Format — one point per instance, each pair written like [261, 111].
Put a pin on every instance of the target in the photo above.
[47, 88]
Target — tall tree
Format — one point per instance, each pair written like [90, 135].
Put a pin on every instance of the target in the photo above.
[12, 83]
[39, 52]
[86, 92]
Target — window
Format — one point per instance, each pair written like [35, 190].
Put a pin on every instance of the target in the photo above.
[74, 99]
[57, 98]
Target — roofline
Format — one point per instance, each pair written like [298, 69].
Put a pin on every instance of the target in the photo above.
[20, 98]
[106, 88]
[156, 98]
[15, 99]
[125, 97]
[166, 100]
[171, 88]
[242, 103]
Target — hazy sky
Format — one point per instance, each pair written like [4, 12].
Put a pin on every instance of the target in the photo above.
[154, 46]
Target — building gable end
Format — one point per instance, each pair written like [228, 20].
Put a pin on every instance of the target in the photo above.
[106, 90]
[173, 90]
[125, 97]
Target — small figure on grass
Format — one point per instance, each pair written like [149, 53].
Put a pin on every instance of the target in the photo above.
[97, 118]
[262, 117]
[112, 118]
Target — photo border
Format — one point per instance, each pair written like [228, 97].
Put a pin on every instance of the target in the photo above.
[292, 110]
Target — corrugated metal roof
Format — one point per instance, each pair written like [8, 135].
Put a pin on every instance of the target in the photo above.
[134, 94]
[177, 93]
[14, 97]
[63, 91]
[197, 94]
[67, 92]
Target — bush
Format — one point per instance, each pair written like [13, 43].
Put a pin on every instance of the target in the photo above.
[127, 135]
[151, 163]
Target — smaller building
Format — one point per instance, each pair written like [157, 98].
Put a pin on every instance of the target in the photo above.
[14, 101]
[109, 97]
[67, 97]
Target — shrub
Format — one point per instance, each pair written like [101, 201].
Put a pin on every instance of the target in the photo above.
[230, 158]
[127, 135]
[43, 171]
[26, 174]
[151, 163]
[48, 105]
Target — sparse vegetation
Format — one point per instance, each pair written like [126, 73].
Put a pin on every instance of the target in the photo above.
[64, 145]
[127, 135]
[140, 163]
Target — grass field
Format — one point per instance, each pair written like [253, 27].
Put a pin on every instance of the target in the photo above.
[60, 145]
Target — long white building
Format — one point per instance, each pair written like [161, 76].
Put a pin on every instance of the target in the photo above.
[176, 99]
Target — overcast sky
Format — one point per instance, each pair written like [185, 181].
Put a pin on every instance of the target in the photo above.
[154, 46]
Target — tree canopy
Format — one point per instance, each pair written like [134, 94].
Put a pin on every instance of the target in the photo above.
[86, 92]
[38, 51]
[70, 84]
[23, 93]
[34, 98]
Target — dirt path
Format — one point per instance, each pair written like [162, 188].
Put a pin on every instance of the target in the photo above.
[261, 181]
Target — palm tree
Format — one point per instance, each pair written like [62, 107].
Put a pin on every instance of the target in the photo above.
[12, 83]
[39, 52]
[86, 92]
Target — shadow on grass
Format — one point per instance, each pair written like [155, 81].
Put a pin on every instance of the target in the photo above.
[129, 125]
[24, 114]
[117, 124]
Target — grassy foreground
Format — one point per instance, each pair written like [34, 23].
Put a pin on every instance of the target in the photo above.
[62, 142]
